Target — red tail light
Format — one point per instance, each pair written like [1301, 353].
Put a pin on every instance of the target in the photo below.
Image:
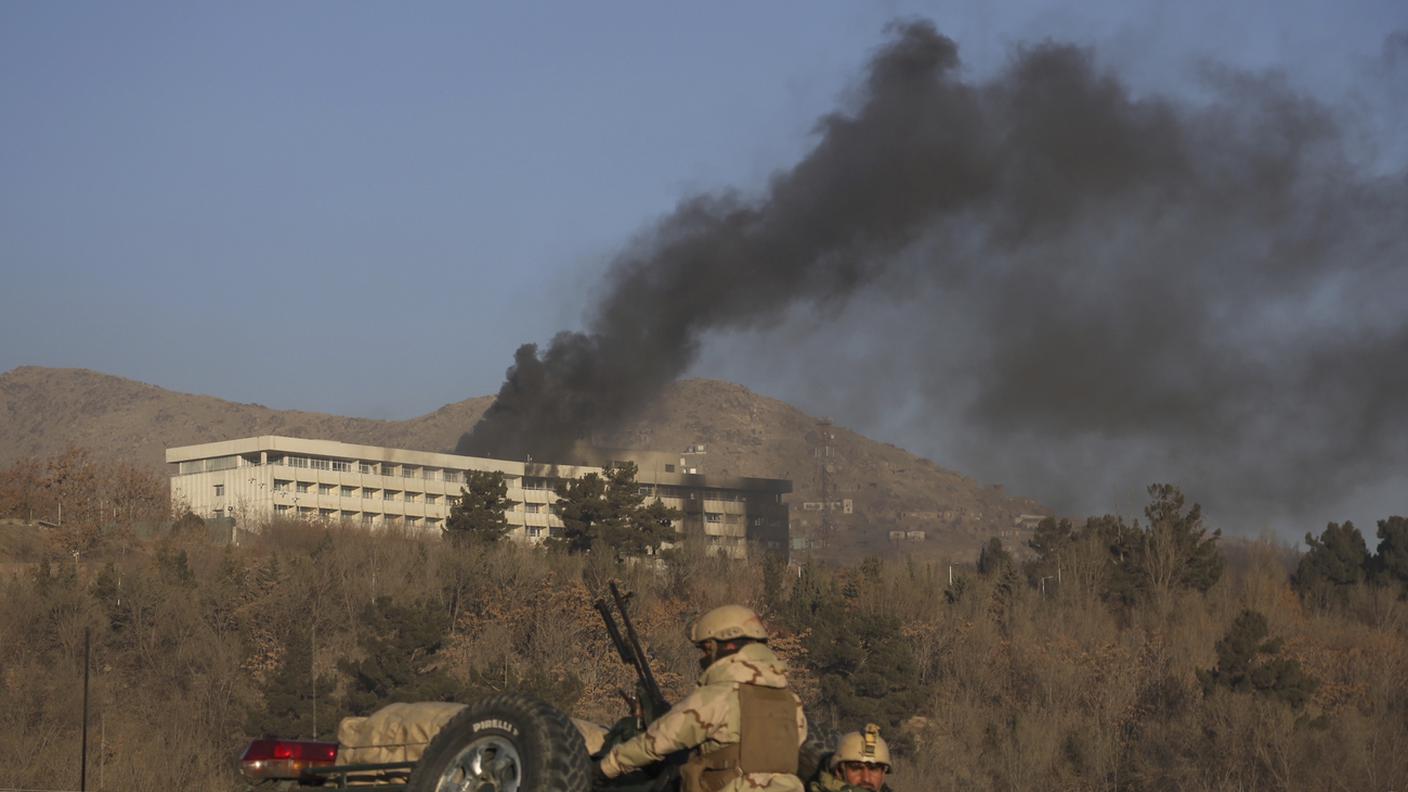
[265, 759]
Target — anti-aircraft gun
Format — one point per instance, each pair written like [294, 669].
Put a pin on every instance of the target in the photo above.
[512, 743]
[648, 703]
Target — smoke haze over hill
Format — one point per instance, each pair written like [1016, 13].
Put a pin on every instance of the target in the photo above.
[1096, 286]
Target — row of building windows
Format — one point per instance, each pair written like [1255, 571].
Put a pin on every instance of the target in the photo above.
[732, 519]
[412, 521]
[535, 508]
[725, 540]
[366, 468]
[374, 493]
[370, 493]
[686, 493]
[323, 463]
[430, 498]
[208, 465]
[365, 518]
[377, 518]
[366, 493]
[439, 474]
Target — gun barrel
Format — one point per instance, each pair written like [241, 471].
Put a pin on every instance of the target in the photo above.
[614, 633]
[647, 678]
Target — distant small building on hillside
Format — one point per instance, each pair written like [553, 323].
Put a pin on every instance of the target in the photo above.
[255, 479]
[844, 505]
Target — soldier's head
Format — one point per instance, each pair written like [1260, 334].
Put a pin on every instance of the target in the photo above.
[862, 759]
[723, 631]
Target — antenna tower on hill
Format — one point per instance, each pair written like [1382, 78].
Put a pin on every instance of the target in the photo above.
[825, 468]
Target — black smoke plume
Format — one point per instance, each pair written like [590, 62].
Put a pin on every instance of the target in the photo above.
[1216, 284]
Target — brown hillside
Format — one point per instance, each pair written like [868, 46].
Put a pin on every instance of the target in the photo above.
[44, 410]
[889, 488]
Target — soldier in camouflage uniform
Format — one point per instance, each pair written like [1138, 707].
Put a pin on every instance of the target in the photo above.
[741, 725]
[859, 764]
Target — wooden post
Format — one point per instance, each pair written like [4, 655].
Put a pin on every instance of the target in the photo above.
[83, 754]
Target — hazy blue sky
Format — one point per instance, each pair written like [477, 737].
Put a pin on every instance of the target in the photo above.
[362, 208]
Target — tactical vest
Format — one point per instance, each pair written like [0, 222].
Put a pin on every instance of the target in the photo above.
[767, 742]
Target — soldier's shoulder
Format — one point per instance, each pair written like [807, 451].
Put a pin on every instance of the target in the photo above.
[721, 690]
[706, 699]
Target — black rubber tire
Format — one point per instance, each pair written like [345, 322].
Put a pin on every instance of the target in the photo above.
[549, 752]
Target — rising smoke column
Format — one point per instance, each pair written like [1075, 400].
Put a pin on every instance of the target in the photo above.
[869, 188]
[1218, 285]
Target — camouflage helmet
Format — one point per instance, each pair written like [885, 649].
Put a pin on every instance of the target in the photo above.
[862, 746]
[727, 623]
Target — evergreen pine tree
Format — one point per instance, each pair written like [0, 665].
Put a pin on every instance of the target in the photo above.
[478, 514]
[868, 669]
[994, 558]
[173, 566]
[296, 699]
[1391, 562]
[609, 509]
[1248, 663]
[1176, 551]
[1332, 564]
[399, 644]
[1122, 542]
[1050, 537]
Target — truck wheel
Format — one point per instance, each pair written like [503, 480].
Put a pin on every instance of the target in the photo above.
[504, 743]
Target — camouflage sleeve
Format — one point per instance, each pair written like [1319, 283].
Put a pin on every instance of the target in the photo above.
[686, 725]
[826, 782]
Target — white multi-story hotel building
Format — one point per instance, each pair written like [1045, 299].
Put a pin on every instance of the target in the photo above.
[256, 479]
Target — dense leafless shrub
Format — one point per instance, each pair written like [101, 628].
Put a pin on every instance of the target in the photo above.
[1019, 688]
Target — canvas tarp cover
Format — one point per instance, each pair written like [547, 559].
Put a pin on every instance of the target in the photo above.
[400, 732]
[394, 733]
